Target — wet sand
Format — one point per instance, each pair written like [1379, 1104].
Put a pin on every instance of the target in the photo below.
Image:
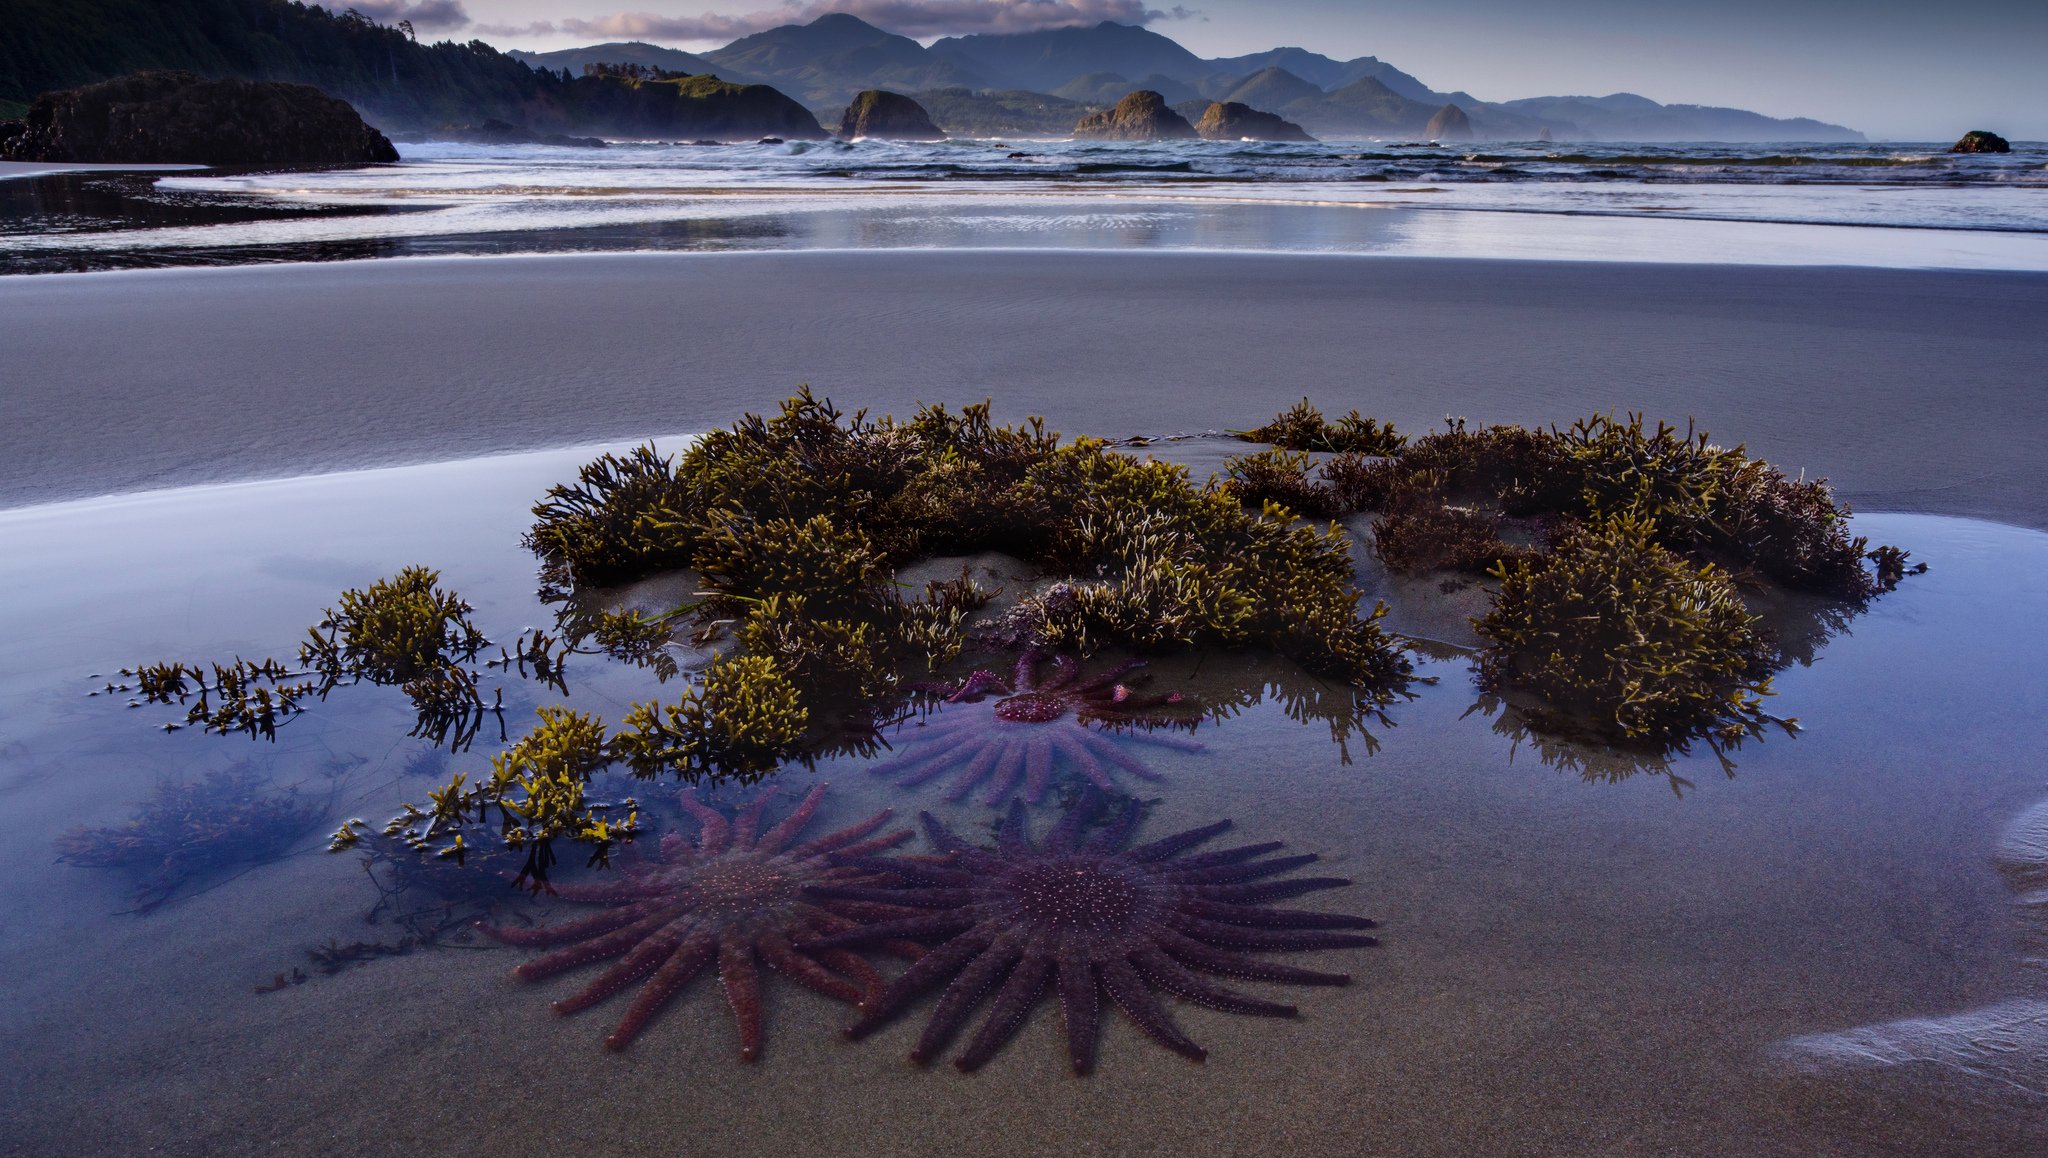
[1912, 391]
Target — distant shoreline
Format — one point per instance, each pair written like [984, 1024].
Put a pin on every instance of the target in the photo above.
[1912, 391]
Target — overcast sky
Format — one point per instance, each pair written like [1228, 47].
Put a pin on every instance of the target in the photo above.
[1892, 68]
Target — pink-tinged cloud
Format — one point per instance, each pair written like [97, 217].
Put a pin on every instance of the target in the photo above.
[424, 14]
[915, 18]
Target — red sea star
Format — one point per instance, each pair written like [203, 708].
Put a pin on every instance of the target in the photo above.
[734, 898]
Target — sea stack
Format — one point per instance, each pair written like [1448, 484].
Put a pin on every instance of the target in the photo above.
[178, 117]
[888, 116]
[1449, 124]
[1141, 116]
[1982, 141]
[1231, 121]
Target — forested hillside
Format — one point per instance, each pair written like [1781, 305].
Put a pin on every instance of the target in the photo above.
[396, 83]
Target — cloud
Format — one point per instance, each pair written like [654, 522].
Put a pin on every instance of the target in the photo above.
[424, 14]
[915, 18]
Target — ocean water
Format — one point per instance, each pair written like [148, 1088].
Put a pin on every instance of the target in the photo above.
[1907, 205]
[1607, 958]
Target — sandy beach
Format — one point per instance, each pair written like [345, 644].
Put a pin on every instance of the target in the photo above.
[264, 372]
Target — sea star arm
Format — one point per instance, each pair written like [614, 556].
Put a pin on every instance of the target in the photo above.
[775, 950]
[1080, 1011]
[1166, 846]
[835, 841]
[717, 834]
[748, 822]
[1231, 874]
[686, 962]
[1075, 749]
[1268, 890]
[1012, 1005]
[960, 998]
[598, 949]
[777, 838]
[1009, 772]
[1129, 992]
[1217, 933]
[742, 990]
[644, 959]
[1171, 976]
[933, 968]
[1227, 964]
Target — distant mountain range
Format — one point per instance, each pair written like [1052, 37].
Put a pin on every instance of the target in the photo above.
[1032, 83]
[825, 62]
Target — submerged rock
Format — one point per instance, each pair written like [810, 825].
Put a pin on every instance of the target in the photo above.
[1449, 124]
[1141, 116]
[1981, 141]
[179, 117]
[1231, 121]
[888, 116]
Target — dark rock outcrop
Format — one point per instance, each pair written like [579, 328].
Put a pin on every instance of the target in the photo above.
[1231, 121]
[1982, 141]
[497, 132]
[178, 117]
[1449, 124]
[888, 116]
[1140, 116]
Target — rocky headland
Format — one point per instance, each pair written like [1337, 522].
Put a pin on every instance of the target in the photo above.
[180, 117]
[1232, 121]
[1449, 124]
[888, 116]
[1141, 116]
[1981, 141]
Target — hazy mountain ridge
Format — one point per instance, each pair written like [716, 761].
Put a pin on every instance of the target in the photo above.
[1028, 77]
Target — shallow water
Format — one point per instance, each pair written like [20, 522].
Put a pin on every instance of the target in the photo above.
[1900, 206]
[1568, 964]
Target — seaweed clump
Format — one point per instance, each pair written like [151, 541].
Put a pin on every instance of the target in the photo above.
[405, 631]
[1620, 638]
[797, 522]
[1303, 427]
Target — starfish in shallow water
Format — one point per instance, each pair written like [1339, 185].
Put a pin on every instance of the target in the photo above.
[1088, 915]
[734, 897]
[1036, 723]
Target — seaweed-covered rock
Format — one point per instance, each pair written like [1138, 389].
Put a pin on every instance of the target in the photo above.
[1231, 121]
[175, 117]
[888, 116]
[1449, 124]
[1981, 141]
[1141, 116]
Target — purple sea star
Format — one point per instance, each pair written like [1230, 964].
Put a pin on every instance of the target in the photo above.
[1088, 916]
[1036, 723]
[736, 896]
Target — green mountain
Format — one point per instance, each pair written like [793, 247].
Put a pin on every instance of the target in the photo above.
[826, 62]
[1271, 88]
[1043, 61]
[399, 85]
